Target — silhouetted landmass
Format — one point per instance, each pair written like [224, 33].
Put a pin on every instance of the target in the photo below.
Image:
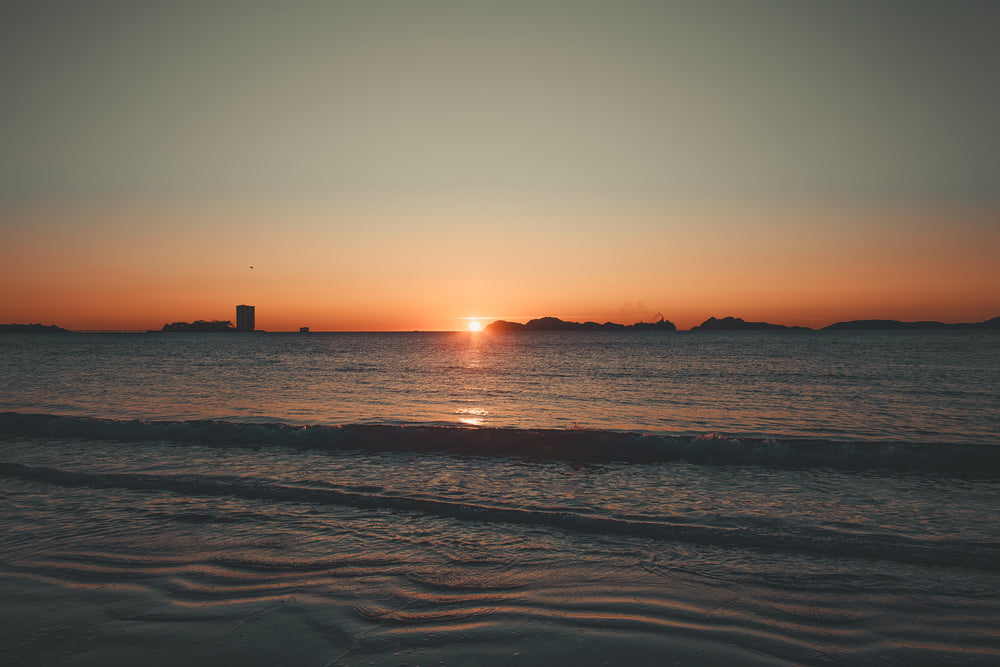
[660, 325]
[555, 324]
[737, 324]
[200, 326]
[993, 323]
[727, 324]
[31, 328]
[885, 324]
[896, 324]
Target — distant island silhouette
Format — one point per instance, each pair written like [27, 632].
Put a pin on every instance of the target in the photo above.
[737, 324]
[555, 324]
[993, 323]
[731, 323]
[199, 326]
[728, 323]
[31, 328]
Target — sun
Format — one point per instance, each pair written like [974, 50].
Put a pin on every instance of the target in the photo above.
[475, 325]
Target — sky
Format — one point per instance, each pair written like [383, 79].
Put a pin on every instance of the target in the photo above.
[415, 164]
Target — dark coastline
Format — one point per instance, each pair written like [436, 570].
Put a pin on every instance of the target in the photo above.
[896, 324]
[737, 324]
[31, 328]
[712, 324]
[555, 324]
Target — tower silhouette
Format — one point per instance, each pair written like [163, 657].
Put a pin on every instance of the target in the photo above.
[244, 318]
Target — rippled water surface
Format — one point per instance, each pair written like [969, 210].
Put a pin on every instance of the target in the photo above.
[913, 386]
[592, 499]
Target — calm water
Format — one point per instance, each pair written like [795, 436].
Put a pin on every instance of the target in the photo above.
[543, 498]
[918, 387]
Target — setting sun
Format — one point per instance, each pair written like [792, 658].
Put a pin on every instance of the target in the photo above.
[475, 325]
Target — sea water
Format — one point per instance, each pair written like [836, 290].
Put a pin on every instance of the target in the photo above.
[518, 498]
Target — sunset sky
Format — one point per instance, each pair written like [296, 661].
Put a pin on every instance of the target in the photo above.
[410, 165]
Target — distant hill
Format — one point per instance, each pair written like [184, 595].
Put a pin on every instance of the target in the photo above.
[555, 324]
[737, 324]
[31, 328]
[896, 324]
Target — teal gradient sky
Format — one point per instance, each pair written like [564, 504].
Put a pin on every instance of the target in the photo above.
[407, 164]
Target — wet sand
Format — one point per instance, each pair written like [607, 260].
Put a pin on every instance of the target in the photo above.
[45, 623]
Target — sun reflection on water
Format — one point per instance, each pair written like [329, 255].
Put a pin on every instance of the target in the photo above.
[473, 416]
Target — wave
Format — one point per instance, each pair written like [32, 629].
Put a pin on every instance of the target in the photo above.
[578, 445]
[778, 537]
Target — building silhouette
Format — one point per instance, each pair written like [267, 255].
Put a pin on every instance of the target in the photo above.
[244, 318]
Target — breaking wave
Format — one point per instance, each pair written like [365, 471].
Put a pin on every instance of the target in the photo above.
[582, 445]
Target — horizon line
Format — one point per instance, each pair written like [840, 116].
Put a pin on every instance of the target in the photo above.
[487, 325]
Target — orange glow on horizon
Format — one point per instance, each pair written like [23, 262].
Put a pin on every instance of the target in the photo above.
[395, 269]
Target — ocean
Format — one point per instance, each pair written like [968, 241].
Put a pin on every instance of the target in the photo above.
[530, 498]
